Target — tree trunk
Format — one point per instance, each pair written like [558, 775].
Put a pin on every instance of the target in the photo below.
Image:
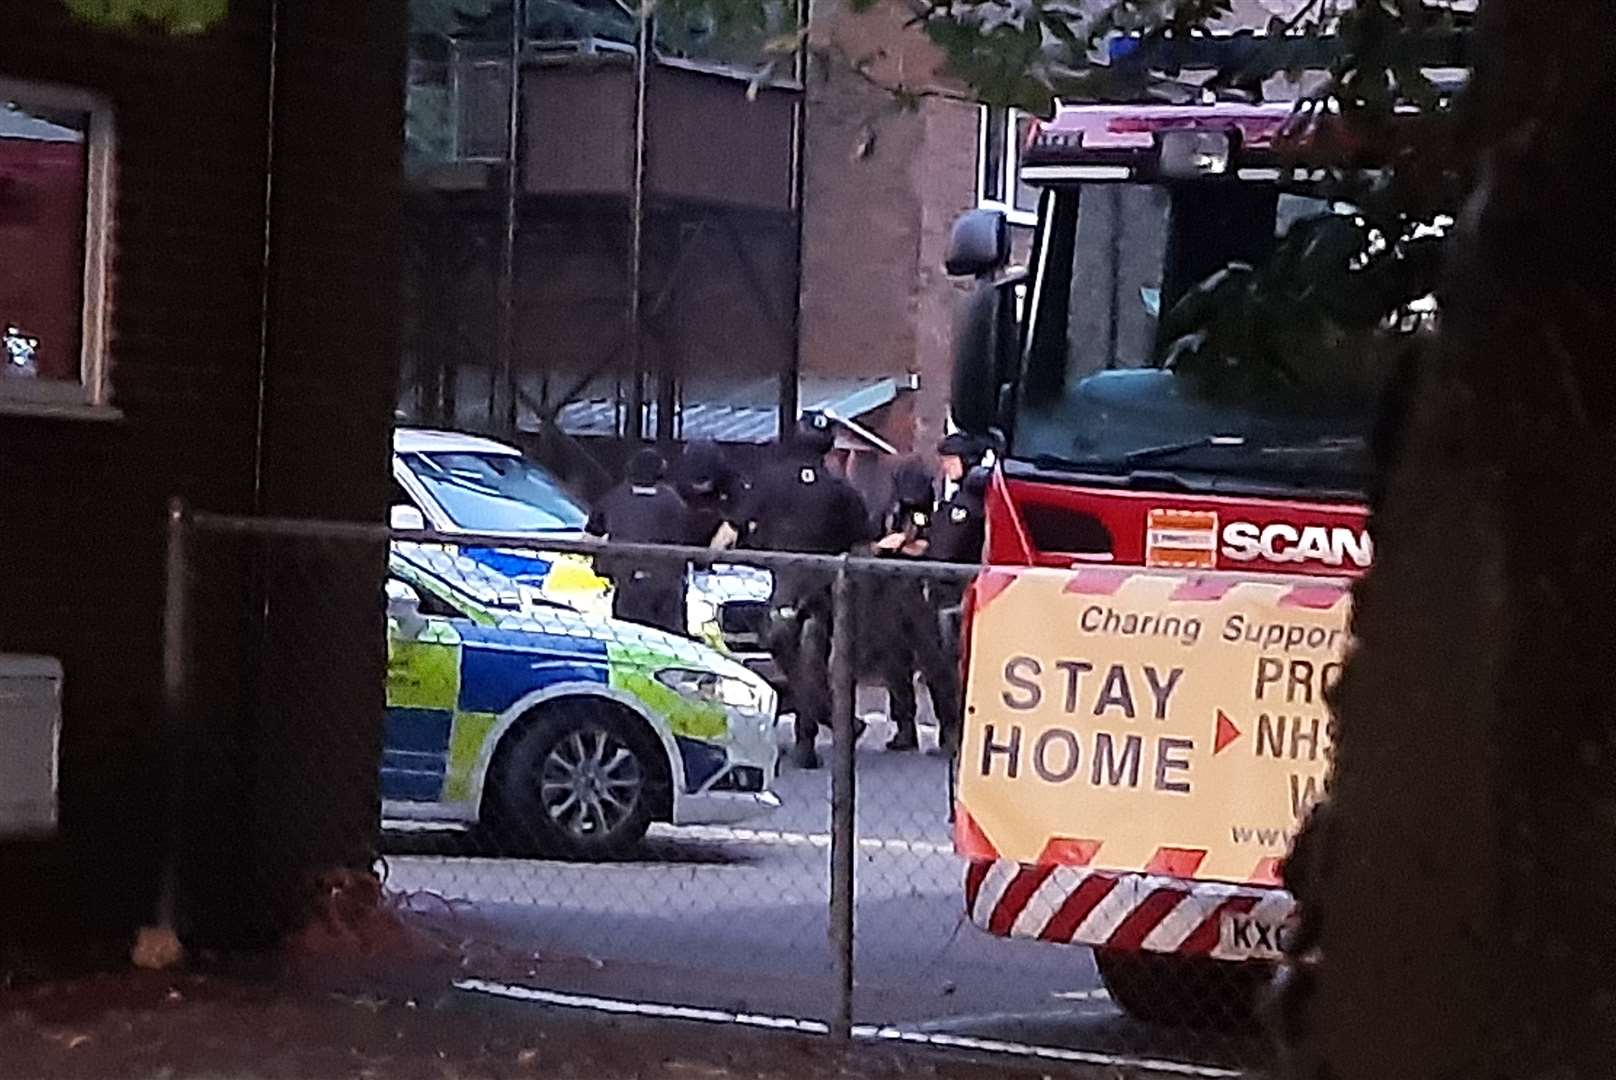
[1461, 891]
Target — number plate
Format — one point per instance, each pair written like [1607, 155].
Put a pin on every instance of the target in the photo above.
[1252, 937]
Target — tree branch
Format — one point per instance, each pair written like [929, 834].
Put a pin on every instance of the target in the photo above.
[900, 92]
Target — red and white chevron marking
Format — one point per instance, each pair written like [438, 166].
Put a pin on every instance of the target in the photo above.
[1077, 906]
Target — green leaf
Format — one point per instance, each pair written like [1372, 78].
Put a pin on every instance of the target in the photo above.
[786, 43]
[445, 17]
[170, 16]
[1058, 23]
[1414, 87]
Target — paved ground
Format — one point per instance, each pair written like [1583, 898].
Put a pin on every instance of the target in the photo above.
[735, 918]
[363, 1023]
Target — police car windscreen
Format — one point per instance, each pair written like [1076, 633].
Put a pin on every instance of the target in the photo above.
[497, 492]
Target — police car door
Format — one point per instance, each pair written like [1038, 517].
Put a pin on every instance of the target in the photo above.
[423, 687]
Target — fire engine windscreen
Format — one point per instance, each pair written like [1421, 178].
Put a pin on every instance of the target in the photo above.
[1111, 260]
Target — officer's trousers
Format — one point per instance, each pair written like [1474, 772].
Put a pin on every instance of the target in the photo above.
[903, 637]
[798, 640]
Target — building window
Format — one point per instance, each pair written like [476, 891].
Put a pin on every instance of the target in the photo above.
[1001, 134]
[55, 225]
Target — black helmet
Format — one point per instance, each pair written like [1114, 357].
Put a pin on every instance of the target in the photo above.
[646, 467]
[970, 449]
[701, 468]
[814, 433]
[911, 487]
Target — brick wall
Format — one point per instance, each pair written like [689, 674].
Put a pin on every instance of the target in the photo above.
[945, 179]
[883, 185]
[81, 502]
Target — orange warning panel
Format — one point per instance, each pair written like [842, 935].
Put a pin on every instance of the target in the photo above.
[1067, 851]
[1176, 862]
[1132, 730]
[1269, 871]
[969, 839]
[1182, 539]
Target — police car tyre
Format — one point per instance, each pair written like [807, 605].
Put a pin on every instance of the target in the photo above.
[582, 780]
[1183, 991]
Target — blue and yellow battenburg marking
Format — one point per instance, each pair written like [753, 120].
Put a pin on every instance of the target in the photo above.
[448, 686]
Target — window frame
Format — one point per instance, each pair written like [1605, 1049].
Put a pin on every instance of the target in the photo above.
[90, 396]
[1003, 198]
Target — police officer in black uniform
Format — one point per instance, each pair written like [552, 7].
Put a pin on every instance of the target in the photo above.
[711, 491]
[959, 453]
[898, 622]
[798, 504]
[959, 527]
[644, 510]
[957, 534]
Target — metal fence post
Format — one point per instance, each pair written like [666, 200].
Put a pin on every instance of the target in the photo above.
[843, 841]
[176, 612]
[176, 701]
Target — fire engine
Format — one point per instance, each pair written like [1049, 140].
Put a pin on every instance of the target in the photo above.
[1166, 588]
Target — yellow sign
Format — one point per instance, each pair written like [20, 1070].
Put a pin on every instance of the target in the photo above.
[1148, 720]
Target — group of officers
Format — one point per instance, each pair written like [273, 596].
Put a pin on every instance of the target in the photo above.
[797, 503]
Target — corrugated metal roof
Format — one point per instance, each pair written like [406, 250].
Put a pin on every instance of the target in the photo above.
[17, 124]
[739, 412]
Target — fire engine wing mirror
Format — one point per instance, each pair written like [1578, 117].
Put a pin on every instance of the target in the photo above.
[974, 394]
[979, 244]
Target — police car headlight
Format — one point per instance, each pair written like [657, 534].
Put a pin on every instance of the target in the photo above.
[711, 689]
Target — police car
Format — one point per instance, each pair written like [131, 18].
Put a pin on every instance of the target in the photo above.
[554, 732]
[455, 483]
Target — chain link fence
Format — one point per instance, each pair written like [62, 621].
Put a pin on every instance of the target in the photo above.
[599, 808]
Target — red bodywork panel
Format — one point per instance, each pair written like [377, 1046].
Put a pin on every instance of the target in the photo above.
[1076, 128]
[1171, 529]
[1267, 133]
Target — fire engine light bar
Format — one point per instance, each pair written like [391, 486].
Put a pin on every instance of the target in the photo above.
[1190, 154]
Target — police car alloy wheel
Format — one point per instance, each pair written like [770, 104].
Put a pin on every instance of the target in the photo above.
[590, 782]
[580, 783]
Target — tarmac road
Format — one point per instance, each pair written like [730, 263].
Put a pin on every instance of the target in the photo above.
[736, 918]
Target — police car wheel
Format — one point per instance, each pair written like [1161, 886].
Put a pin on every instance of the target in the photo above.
[580, 782]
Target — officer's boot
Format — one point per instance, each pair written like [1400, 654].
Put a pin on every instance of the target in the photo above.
[905, 740]
[901, 709]
[946, 704]
[803, 753]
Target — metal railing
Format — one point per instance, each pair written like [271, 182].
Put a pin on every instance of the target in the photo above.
[851, 881]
